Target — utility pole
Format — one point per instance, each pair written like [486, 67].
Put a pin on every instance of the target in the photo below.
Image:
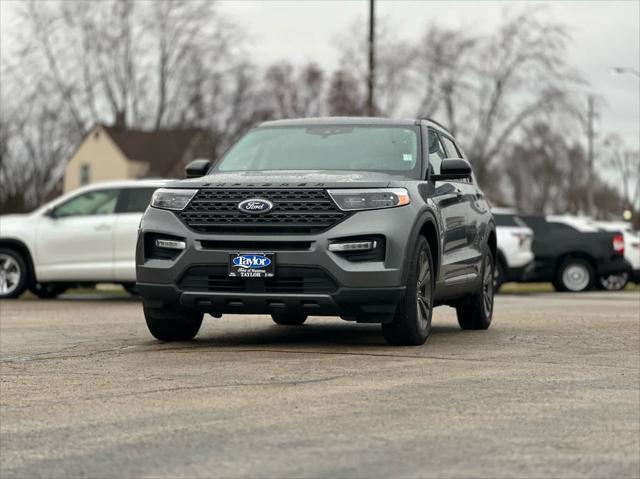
[371, 78]
[590, 134]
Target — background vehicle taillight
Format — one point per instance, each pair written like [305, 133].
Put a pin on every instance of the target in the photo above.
[618, 244]
[523, 238]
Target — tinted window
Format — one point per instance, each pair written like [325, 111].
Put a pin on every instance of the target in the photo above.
[101, 202]
[134, 200]
[505, 220]
[436, 152]
[327, 147]
[508, 220]
[452, 151]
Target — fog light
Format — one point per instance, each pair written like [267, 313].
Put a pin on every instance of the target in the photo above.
[353, 246]
[170, 244]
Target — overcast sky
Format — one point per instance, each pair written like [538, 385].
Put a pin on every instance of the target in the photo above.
[605, 34]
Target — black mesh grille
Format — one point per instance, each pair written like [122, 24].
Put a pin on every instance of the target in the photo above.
[295, 211]
[288, 279]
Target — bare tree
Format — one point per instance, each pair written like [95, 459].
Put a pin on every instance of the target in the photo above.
[440, 70]
[394, 59]
[291, 94]
[346, 96]
[623, 166]
[175, 63]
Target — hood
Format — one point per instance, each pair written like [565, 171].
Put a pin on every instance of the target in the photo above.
[290, 179]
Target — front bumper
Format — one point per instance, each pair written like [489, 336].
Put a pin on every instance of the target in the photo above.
[366, 290]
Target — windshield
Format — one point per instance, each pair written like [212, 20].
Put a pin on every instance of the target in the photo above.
[388, 149]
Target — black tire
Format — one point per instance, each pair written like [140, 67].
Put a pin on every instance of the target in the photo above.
[499, 276]
[411, 324]
[574, 275]
[613, 282]
[48, 290]
[172, 323]
[130, 288]
[476, 311]
[14, 273]
[288, 318]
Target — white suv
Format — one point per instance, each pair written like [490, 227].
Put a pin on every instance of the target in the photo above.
[515, 256]
[85, 237]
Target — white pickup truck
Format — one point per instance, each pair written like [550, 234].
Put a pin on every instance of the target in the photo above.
[87, 236]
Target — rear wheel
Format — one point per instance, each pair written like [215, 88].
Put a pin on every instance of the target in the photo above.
[411, 325]
[172, 323]
[574, 275]
[476, 311]
[13, 274]
[288, 318]
[613, 282]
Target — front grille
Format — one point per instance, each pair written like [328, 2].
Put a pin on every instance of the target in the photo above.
[256, 246]
[288, 280]
[294, 211]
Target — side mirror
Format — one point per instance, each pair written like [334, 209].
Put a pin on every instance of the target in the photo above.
[453, 169]
[50, 213]
[197, 168]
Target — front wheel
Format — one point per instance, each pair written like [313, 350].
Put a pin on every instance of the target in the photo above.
[613, 282]
[476, 311]
[411, 325]
[13, 274]
[172, 323]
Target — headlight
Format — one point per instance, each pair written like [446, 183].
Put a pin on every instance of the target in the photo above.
[370, 198]
[170, 199]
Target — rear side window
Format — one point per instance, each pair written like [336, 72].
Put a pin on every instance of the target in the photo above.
[134, 200]
[101, 202]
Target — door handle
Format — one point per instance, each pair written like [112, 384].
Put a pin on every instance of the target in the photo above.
[102, 227]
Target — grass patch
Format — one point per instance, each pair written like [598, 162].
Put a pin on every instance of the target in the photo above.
[529, 288]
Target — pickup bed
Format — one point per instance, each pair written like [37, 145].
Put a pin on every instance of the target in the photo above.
[572, 256]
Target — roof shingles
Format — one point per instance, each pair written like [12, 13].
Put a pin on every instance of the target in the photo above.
[163, 150]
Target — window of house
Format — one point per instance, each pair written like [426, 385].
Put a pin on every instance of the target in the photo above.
[85, 173]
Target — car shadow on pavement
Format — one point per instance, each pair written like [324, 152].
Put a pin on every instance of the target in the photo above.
[316, 335]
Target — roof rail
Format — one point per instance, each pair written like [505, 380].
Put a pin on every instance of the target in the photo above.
[436, 123]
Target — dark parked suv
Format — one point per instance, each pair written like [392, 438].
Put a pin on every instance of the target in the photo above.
[373, 220]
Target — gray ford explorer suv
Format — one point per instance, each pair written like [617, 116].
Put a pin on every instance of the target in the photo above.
[373, 220]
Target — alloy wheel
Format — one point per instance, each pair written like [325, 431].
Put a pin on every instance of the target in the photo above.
[423, 296]
[10, 274]
[576, 277]
[488, 284]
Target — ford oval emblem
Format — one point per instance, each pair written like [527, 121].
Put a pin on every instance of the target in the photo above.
[255, 206]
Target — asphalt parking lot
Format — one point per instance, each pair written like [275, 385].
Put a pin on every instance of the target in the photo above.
[552, 389]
